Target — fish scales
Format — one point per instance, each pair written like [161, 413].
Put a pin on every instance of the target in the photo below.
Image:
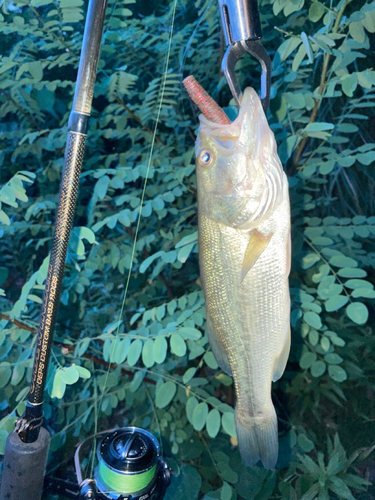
[247, 312]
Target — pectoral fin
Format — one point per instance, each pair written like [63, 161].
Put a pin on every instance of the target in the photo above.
[257, 244]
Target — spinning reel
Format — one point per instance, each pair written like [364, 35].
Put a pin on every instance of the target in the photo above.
[129, 468]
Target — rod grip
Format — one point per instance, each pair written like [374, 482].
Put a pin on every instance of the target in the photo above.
[24, 467]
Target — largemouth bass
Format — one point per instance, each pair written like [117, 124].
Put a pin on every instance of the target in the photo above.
[244, 255]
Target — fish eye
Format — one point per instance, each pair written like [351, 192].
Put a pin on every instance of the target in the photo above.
[205, 158]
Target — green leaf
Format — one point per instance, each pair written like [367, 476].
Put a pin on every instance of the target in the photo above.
[309, 260]
[318, 127]
[83, 372]
[363, 292]
[210, 360]
[147, 262]
[18, 373]
[101, 186]
[325, 343]
[350, 272]
[69, 375]
[191, 404]
[178, 345]
[299, 57]
[165, 393]
[59, 386]
[122, 351]
[306, 43]
[316, 11]
[190, 238]
[366, 158]
[318, 368]
[228, 424]
[287, 47]
[36, 70]
[186, 485]
[313, 319]
[305, 443]
[286, 148]
[342, 261]
[357, 32]
[200, 416]
[160, 349]
[226, 492]
[349, 84]
[189, 333]
[312, 492]
[307, 359]
[357, 312]
[335, 303]
[189, 374]
[213, 423]
[313, 337]
[337, 373]
[338, 486]
[333, 358]
[369, 20]
[278, 107]
[184, 252]
[148, 353]
[134, 352]
[35, 298]
[137, 381]
[4, 218]
[3, 437]
[357, 283]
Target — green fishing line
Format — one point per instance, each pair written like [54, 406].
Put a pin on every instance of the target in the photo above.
[125, 483]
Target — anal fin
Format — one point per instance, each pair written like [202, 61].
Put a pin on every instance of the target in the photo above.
[218, 352]
[257, 244]
[282, 359]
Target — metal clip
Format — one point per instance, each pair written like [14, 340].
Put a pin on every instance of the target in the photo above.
[23, 426]
[242, 30]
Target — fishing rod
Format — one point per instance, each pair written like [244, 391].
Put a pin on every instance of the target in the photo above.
[129, 459]
[130, 466]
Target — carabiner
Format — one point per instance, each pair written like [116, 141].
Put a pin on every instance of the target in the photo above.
[241, 24]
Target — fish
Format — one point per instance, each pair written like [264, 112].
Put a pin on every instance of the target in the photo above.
[244, 256]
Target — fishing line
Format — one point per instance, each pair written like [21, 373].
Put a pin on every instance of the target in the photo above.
[188, 46]
[114, 342]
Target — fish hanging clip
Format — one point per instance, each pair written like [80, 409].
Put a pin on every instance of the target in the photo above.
[241, 24]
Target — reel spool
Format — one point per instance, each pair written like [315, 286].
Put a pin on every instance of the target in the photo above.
[130, 466]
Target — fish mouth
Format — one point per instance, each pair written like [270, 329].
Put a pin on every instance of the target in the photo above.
[250, 103]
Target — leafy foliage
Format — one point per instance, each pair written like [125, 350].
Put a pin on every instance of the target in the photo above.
[145, 360]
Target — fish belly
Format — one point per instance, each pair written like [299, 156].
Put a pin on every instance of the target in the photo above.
[248, 322]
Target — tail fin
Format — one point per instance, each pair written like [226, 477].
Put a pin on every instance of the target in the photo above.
[257, 439]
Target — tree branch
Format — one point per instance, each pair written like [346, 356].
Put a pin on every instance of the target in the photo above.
[71, 348]
[320, 91]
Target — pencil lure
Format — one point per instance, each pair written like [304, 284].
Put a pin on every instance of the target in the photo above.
[244, 255]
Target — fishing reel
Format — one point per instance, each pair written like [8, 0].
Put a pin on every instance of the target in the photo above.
[129, 468]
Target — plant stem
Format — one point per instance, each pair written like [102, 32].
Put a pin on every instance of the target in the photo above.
[71, 347]
[23, 111]
[321, 88]
[136, 118]
[49, 32]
